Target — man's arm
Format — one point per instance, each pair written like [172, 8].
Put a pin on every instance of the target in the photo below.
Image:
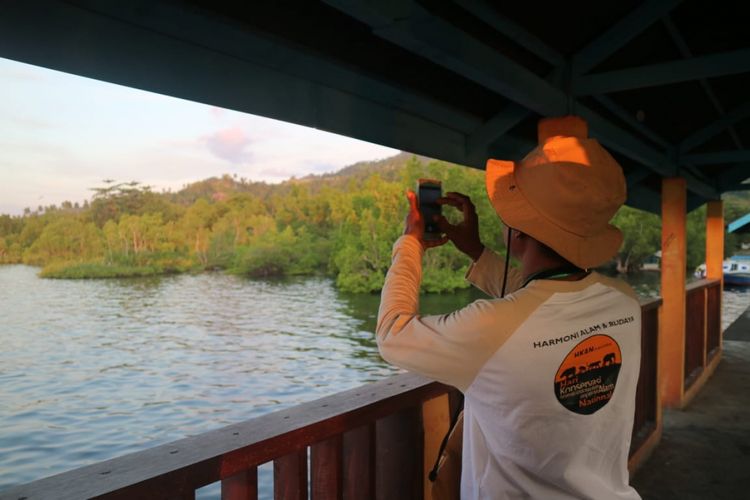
[450, 348]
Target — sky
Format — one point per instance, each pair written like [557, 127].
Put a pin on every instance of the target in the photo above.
[61, 135]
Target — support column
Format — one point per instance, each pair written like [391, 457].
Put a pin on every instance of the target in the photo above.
[715, 240]
[673, 269]
[715, 251]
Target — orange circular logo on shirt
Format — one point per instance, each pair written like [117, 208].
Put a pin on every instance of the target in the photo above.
[587, 376]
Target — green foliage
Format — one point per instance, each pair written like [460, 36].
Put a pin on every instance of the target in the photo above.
[343, 225]
[65, 239]
[641, 237]
[696, 238]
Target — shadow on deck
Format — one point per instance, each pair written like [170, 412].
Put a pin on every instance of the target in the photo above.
[705, 448]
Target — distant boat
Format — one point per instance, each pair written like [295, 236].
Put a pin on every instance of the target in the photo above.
[652, 262]
[736, 270]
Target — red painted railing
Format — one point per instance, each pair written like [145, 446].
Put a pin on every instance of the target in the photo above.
[375, 441]
[702, 327]
[646, 418]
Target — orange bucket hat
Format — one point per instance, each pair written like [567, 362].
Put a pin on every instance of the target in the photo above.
[563, 193]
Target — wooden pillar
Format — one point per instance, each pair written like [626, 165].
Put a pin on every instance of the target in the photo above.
[715, 248]
[673, 269]
[715, 239]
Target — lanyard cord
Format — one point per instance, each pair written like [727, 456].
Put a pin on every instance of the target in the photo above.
[558, 272]
[433, 473]
[507, 262]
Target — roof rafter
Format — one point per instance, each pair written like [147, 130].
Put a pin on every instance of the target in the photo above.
[718, 158]
[654, 75]
[687, 54]
[733, 178]
[411, 27]
[487, 13]
[251, 81]
[623, 115]
[513, 113]
[701, 136]
[621, 33]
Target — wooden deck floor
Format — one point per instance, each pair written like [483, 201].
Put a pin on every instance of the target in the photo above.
[705, 448]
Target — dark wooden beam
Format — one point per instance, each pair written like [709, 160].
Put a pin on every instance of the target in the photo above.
[653, 75]
[621, 33]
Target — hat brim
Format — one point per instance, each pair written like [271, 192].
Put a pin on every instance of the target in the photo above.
[515, 211]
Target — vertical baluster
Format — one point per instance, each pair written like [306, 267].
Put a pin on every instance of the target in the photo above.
[290, 476]
[242, 486]
[435, 423]
[399, 456]
[704, 330]
[359, 463]
[325, 469]
[714, 318]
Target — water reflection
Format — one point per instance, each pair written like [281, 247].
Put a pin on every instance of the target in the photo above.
[94, 369]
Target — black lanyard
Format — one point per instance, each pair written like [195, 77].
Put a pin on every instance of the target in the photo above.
[558, 272]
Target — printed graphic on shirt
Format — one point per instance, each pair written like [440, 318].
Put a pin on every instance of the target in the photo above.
[587, 376]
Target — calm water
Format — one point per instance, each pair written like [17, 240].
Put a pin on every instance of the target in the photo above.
[94, 369]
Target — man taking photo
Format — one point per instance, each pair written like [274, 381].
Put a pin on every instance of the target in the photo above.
[549, 366]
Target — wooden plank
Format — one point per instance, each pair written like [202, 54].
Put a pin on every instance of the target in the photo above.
[652, 303]
[290, 476]
[646, 406]
[713, 318]
[399, 456]
[436, 421]
[695, 321]
[194, 462]
[695, 285]
[242, 486]
[325, 469]
[359, 463]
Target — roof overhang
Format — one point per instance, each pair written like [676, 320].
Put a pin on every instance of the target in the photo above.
[461, 81]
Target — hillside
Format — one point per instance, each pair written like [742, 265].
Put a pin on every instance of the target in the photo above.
[220, 188]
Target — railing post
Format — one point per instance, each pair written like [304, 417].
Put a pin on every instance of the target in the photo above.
[704, 295]
[242, 486]
[399, 456]
[325, 469]
[673, 267]
[436, 420]
[290, 476]
[647, 422]
[359, 463]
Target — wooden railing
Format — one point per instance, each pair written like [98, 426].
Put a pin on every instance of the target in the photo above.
[647, 419]
[375, 441]
[702, 327]
[368, 442]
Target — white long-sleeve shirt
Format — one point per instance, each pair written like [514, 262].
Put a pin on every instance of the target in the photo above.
[549, 375]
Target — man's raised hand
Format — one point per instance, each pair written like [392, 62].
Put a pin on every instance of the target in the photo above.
[414, 224]
[464, 235]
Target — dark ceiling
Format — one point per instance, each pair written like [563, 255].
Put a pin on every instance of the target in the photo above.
[663, 84]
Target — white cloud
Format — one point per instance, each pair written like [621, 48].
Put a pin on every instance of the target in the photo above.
[230, 144]
[61, 134]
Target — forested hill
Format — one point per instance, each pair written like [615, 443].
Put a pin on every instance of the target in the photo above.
[388, 169]
[341, 224]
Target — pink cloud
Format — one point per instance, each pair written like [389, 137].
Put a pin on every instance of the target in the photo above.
[231, 144]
